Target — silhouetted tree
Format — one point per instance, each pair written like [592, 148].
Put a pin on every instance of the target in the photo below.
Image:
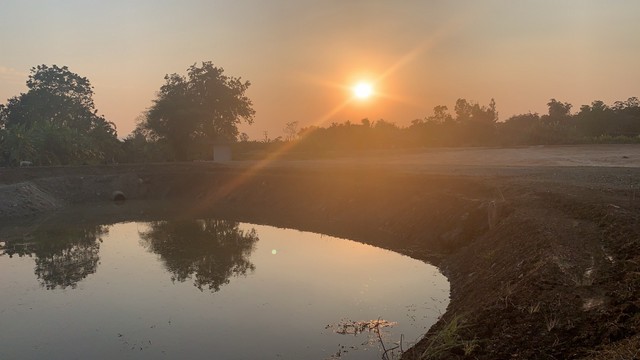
[204, 106]
[207, 251]
[439, 129]
[600, 120]
[477, 123]
[627, 117]
[595, 120]
[385, 135]
[519, 129]
[142, 146]
[558, 110]
[440, 115]
[291, 130]
[557, 126]
[55, 121]
[243, 137]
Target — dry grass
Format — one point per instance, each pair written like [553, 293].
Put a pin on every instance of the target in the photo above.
[551, 321]
[447, 339]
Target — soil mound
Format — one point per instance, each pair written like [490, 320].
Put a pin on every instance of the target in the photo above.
[26, 198]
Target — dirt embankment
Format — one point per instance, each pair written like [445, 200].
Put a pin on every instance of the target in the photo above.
[542, 264]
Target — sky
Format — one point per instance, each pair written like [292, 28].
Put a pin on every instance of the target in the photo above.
[302, 57]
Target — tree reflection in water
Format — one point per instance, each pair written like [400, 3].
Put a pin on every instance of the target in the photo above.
[207, 251]
[64, 255]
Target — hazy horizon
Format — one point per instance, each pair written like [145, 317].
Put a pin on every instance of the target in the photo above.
[303, 57]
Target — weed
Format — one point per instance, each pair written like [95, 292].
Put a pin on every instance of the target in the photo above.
[583, 280]
[447, 339]
[469, 346]
[507, 290]
[533, 308]
[551, 322]
[386, 352]
[350, 327]
[488, 255]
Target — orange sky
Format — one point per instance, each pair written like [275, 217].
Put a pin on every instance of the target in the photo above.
[299, 55]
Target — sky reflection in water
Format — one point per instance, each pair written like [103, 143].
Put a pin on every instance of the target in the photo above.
[205, 288]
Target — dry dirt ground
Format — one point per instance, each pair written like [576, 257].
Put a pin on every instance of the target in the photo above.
[541, 244]
[609, 155]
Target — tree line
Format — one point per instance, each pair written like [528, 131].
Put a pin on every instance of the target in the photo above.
[470, 124]
[56, 123]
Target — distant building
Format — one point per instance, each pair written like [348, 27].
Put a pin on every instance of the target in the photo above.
[221, 152]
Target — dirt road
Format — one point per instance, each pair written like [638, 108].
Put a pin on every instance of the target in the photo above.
[608, 155]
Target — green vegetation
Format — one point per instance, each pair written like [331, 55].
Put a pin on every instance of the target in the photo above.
[449, 340]
[190, 113]
[55, 123]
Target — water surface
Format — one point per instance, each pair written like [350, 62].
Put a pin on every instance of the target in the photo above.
[195, 289]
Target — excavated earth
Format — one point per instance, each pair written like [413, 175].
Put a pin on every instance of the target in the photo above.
[544, 262]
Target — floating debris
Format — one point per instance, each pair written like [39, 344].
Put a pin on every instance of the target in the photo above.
[350, 327]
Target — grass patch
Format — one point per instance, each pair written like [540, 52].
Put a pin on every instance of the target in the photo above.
[449, 339]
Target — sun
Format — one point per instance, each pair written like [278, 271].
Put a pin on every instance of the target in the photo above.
[363, 90]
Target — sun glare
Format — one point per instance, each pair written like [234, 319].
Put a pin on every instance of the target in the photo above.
[363, 90]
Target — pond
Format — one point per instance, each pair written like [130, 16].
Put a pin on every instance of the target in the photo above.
[207, 288]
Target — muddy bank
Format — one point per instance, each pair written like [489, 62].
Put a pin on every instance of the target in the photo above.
[541, 266]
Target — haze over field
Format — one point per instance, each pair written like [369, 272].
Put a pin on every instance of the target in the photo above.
[303, 58]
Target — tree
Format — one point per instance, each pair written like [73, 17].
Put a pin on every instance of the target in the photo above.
[556, 127]
[477, 123]
[291, 130]
[204, 106]
[139, 147]
[57, 119]
[440, 115]
[558, 109]
[595, 120]
[244, 137]
[209, 252]
[628, 116]
[519, 129]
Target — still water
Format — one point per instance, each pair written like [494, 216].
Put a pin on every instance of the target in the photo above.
[194, 289]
